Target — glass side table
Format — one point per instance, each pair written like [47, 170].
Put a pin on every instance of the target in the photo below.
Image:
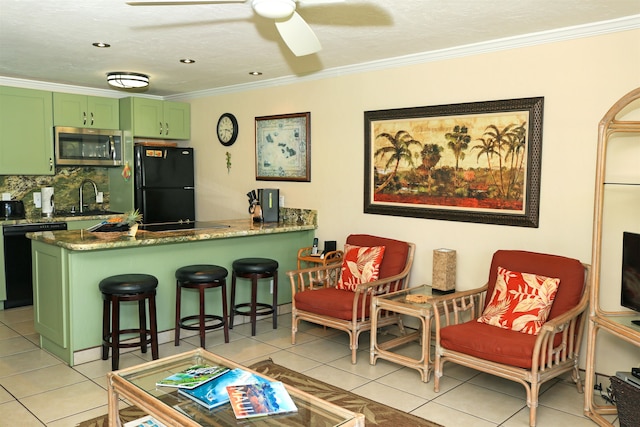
[138, 386]
[415, 302]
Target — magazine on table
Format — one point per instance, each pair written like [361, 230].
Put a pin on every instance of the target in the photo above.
[214, 393]
[193, 376]
[254, 400]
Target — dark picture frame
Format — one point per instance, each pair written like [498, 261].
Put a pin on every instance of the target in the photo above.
[472, 162]
[283, 147]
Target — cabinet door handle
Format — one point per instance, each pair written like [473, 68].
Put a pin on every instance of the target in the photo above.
[84, 117]
[166, 125]
[91, 119]
[160, 128]
[50, 164]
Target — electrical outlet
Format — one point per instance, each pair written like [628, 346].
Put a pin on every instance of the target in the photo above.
[37, 199]
[99, 197]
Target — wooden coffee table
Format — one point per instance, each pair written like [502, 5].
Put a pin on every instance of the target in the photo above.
[421, 308]
[138, 386]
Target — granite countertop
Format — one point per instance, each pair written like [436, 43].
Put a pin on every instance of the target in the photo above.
[83, 240]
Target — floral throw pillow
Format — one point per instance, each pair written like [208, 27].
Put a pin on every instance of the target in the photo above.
[360, 264]
[520, 301]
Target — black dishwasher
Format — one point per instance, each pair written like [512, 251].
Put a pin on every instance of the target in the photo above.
[17, 260]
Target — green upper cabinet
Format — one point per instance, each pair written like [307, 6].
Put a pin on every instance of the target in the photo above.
[152, 118]
[85, 111]
[26, 132]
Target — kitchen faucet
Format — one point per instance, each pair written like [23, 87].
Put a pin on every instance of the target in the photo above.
[95, 190]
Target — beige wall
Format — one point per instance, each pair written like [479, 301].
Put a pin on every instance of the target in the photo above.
[580, 79]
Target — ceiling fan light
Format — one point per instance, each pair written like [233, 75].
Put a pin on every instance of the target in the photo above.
[127, 80]
[274, 9]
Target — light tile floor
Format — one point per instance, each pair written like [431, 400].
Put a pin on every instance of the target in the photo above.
[37, 389]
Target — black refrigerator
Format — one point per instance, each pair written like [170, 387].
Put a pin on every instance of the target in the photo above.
[164, 184]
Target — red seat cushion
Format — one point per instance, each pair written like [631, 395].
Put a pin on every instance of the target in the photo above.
[331, 302]
[489, 342]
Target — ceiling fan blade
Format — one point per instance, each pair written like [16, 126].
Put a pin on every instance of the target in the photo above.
[180, 3]
[298, 35]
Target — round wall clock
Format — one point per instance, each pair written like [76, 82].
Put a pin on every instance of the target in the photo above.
[227, 129]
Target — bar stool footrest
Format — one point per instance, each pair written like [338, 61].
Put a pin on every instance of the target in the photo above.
[207, 318]
[122, 344]
[262, 309]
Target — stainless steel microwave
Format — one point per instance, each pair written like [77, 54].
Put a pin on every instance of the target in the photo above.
[88, 147]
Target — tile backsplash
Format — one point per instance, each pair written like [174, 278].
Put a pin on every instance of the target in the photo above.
[65, 183]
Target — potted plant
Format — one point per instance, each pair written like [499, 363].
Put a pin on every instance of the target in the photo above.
[132, 219]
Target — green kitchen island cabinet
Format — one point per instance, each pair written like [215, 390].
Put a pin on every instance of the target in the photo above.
[68, 265]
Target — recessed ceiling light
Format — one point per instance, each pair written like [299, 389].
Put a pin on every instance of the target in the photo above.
[101, 44]
[187, 61]
[255, 73]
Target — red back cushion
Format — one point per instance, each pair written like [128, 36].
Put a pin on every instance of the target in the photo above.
[570, 272]
[395, 253]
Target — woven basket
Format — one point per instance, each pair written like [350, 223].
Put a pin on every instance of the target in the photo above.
[627, 398]
[114, 235]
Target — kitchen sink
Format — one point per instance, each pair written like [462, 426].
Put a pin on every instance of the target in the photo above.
[92, 212]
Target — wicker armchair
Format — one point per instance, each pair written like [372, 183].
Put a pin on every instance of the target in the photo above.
[316, 299]
[527, 359]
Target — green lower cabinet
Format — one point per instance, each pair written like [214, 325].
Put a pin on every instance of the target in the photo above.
[3, 279]
[51, 299]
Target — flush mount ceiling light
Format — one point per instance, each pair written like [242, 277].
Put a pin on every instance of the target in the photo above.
[126, 80]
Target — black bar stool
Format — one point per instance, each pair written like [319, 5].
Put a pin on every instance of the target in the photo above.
[201, 277]
[128, 287]
[254, 269]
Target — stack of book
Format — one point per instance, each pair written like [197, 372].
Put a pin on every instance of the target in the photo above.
[249, 395]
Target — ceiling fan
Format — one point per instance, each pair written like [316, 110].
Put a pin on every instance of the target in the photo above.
[293, 29]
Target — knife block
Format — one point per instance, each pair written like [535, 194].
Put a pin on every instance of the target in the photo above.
[270, 203]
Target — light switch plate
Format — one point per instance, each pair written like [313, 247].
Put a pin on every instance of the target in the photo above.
[37, 199]
[6, 196]
[99, 197]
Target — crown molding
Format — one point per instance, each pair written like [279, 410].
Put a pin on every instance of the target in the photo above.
[59, 87]
[568, 33]
[627, 23]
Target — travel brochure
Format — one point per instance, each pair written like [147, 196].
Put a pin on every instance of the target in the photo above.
[214, 393]
[250, 395]
[193, 376]
[254, 400]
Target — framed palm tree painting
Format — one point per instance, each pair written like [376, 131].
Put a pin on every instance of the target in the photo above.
[473, 162]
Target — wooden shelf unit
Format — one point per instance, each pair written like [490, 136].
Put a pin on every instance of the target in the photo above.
[616, 323]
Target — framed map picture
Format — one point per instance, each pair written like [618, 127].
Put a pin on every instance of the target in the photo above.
[283, 147]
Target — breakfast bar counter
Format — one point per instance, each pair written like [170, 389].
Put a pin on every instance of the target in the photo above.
[68, 265]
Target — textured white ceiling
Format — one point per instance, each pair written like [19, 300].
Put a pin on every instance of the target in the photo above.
[51, 40]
